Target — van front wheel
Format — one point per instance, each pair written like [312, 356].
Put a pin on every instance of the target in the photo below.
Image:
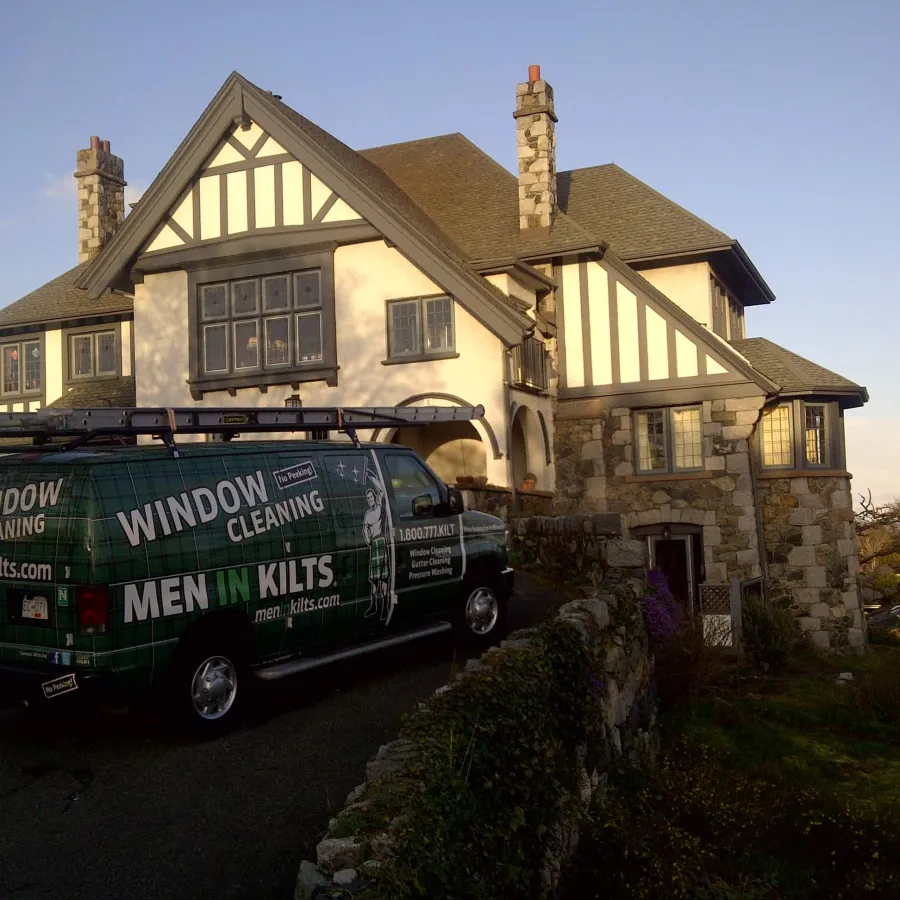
[482, 614]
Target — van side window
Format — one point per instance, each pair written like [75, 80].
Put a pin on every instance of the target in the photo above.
[415, 491]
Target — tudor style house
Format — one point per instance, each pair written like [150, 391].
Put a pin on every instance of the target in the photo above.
[601, 326]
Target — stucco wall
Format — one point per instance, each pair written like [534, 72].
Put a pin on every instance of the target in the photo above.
[53, 357]
[366, 276]
[687, 285]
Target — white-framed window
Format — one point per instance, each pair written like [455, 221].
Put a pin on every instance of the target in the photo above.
[20, 367]
[800, 434]
[669, 439]
[420, 327]
[93, 354]
[259, 324]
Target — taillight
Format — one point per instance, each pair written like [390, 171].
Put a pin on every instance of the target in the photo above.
[92, 602]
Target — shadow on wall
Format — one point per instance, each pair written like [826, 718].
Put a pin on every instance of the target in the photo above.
[162, 373]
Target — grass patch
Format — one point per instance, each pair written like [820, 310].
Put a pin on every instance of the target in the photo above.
[777, 787]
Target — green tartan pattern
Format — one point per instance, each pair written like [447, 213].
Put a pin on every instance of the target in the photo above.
[378, 563]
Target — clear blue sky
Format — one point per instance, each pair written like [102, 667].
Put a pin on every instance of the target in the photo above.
[775, 121]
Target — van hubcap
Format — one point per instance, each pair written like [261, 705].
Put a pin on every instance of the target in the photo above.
[482, 610]
[214, 687]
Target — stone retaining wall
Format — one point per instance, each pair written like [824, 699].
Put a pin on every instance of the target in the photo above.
[610, 625]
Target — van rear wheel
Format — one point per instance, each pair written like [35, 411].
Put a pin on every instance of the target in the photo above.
[209, 685]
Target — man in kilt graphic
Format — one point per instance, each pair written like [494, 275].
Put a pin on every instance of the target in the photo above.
[375, 535]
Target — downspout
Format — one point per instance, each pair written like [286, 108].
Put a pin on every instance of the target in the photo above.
[507, 406]
[752, 445]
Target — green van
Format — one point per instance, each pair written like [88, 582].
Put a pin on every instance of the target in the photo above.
[192, 566]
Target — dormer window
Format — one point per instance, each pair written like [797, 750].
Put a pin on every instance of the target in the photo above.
[801, 435]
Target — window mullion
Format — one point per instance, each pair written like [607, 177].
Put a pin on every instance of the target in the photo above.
[669, 427]
[420, 313]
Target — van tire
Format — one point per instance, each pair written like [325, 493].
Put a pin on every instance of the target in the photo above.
[480, 617]
[209, 684]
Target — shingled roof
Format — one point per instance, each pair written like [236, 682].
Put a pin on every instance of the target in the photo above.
[60, 300]
[636, 220]
[795, 374]
[100, 392]
[473, 198]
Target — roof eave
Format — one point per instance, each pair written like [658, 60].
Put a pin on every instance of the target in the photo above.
[849, 397]
[766, 293]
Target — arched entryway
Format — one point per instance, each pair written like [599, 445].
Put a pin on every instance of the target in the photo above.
[527, 449]
[453, 449]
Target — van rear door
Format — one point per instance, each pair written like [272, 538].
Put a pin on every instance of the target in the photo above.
[44, 553]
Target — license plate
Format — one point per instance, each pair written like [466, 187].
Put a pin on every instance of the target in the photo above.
[60, 686]
[35, 608]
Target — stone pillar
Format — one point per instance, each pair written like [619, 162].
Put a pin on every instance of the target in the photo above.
[810, 540]
[101, 197]
[536, 136]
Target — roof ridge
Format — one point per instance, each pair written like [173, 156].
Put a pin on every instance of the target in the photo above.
[434, 137]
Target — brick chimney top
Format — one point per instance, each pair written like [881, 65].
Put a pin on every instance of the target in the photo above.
[101, 197]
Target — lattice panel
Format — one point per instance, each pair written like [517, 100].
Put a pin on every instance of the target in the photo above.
[715, 599]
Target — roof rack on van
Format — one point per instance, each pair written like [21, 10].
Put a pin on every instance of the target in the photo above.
[85, 424]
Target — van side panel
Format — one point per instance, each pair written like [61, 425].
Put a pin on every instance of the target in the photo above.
[182, 538]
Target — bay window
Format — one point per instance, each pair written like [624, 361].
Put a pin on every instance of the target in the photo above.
[798, 434]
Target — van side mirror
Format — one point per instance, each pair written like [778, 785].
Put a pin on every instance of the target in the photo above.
[455, 500]
[422, 505]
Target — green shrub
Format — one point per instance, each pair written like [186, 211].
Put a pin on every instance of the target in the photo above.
[700, 828]
[688, 664]
[497, 754]
[770, 633]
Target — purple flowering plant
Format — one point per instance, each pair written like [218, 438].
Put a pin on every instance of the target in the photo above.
[663, 614]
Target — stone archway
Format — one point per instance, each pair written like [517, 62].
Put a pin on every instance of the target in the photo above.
[528, 453]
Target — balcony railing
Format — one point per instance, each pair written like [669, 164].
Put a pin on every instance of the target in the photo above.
[529, 365]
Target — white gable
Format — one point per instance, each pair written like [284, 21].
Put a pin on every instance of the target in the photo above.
[249, 184]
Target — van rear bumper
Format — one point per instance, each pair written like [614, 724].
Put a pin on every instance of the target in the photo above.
[18, 683]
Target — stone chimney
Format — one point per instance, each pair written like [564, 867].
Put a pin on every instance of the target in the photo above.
[101, 197]
[536, 135]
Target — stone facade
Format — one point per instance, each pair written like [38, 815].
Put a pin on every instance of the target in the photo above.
[536, 136]
[812, 556]
[805, 524]
[595, 472]
[101, 197]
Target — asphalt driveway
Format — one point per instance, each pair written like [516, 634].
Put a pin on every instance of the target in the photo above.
[100, 806]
